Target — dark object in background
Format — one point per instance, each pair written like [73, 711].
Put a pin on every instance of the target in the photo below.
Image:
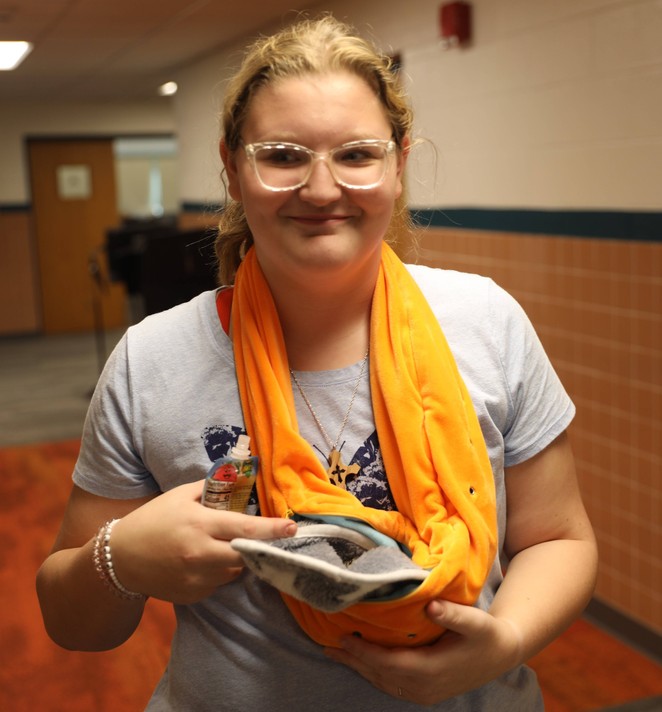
[159, 264]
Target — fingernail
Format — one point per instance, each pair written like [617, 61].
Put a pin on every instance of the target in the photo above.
[290, 529]
[436, 608]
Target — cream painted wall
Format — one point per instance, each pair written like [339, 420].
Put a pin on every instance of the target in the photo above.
[21, 119]
[556, 104]
[197, 106]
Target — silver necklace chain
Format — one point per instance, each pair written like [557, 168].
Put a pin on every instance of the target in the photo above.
[322, 429]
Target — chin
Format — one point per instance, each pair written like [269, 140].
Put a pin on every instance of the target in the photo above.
[334, 250]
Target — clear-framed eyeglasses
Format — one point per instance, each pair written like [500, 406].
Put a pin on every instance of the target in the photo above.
[357, 165]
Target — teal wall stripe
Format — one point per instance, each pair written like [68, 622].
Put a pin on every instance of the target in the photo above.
[637, 226]
[15, 207]
[189, 207]
[615, 225]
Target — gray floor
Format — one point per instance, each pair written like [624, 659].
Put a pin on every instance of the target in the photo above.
[46, 383]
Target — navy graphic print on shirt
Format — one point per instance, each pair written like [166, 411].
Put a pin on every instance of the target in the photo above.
[369, 486]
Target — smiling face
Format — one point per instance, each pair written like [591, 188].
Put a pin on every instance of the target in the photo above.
[320, 230]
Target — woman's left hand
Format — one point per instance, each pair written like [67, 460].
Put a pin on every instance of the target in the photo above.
[550, 577]
[476, 648]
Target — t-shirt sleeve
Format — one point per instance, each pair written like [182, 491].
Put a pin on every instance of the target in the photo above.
[539, 408]
[109, 463]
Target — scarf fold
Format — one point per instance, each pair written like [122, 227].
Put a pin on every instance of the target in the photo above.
[432, 446]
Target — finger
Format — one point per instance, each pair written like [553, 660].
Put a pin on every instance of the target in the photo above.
[363, 656]
[362, 649]
[378, 666]
[233, 525]
[222, 554]
[193, 489]
[230, 575]
[463, 620]
[345, 657]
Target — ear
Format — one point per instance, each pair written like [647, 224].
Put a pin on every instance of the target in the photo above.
[230, 166]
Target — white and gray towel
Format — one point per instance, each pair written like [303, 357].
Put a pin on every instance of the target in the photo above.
[332, 566]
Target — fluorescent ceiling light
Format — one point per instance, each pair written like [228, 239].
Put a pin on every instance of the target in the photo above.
[168, 89]
[13, 53]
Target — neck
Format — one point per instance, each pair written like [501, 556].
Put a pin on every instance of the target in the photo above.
[324, 307]
[324, 330]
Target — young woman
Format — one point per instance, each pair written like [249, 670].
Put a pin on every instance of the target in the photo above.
[328, 352]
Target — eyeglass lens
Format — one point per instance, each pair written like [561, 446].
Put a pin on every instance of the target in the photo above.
[284, 166]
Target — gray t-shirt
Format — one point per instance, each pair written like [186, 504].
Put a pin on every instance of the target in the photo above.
[167, 406]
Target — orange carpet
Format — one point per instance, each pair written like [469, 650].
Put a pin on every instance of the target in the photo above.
[585, 670]
[35, 674]
[588, 670]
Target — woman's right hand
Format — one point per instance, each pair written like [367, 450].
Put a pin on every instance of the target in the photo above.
[175, 549]
[168, 546]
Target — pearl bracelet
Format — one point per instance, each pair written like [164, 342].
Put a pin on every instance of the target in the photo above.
[103, 563]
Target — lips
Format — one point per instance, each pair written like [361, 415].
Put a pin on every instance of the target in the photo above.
[320, 219]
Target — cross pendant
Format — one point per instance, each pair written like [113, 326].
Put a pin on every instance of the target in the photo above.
[337, 471]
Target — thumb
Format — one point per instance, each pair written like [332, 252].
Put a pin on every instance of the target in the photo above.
[463, 620]
[193, 489]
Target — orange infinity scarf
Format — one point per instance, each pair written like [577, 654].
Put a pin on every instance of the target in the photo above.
[431, 442]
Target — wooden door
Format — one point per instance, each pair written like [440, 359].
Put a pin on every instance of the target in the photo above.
[74, 203]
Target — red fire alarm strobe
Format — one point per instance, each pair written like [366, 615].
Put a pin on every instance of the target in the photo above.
[455, 21]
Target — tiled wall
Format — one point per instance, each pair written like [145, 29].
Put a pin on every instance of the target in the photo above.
[597, 307]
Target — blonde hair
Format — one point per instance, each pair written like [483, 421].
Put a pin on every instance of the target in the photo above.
[305, 48]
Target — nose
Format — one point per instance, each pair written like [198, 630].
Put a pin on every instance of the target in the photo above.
[321, 187]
